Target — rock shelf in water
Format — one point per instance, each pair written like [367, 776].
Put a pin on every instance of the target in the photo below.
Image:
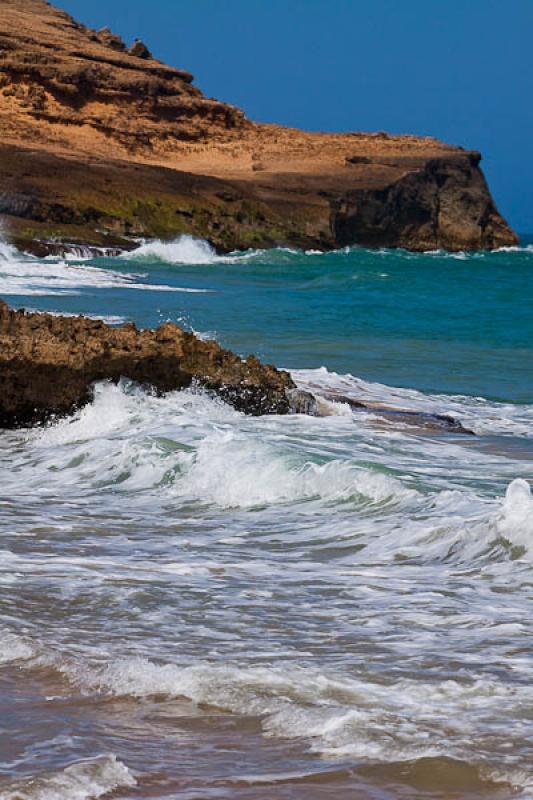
[101, 144]
[48, 365]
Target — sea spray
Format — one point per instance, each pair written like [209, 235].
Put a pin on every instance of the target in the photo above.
[85, 780]
[184, 250]
[7, 251]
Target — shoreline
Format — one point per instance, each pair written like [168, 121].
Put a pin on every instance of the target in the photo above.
[86, 250]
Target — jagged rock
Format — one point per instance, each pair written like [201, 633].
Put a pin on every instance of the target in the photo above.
[48, 365]
[110, 39]
[302, 402]
[139, 50]
[74, 101]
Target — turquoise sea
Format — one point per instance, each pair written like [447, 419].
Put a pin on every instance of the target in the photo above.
[433, 321]
[198, 604]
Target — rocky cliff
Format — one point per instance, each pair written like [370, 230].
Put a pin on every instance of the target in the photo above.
[102, 143]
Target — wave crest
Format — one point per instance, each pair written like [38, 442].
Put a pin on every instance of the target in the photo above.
[184, 250]
[340, 715]
[234, 471]
[516, 520]
[83, 780]
[14, 648]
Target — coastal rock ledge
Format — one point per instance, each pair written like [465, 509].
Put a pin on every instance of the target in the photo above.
[48, 365]
[102, 144]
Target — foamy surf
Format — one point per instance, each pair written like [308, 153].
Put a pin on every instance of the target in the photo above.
[7, 251]
[403, 492]
[84, 780]
[191, 251]
[31, 277]
[14, 648]
[339, 716]
[479, 414]
[184, 250]
[516, 522]
[341, 602]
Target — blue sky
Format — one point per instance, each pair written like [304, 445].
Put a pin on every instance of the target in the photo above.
[461, 70]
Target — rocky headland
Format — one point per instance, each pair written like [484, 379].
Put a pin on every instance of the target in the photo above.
[101, 144]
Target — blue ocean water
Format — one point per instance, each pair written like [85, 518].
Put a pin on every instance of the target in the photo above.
[199, 604]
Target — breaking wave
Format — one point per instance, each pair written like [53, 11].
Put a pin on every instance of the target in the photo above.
[14, 648]
[181, 450]
[184, 250]
[29, 276]
[7, 251]
[189, 250]
[188, 448]
[84, 780]
[339, 715]
[234, 471]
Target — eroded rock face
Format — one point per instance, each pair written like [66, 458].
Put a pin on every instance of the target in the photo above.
[101, 143]
[48, 365]
[57, 74]
[443, 204]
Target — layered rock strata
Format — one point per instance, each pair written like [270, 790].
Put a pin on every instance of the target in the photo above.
[102, 144]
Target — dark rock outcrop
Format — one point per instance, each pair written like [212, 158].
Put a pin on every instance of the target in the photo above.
[48, 365]
[440, 204]
[422, 421]
[139, 50]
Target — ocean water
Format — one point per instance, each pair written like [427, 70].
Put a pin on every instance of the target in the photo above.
[198, 604]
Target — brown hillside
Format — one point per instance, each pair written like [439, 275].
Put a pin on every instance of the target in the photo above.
[75, 100]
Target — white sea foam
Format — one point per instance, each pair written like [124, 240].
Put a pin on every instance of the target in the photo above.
[528, 248]
[516, 520]
[228, 467]
[340, 715]
[189, 250]
[84, 780]
[476, 413]
[184, 250]
[206, 452]
[74, 252]
[7, 251]
[347, 715]
[188, 448]
[235, 471]
[14, 648]
[29, 276]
